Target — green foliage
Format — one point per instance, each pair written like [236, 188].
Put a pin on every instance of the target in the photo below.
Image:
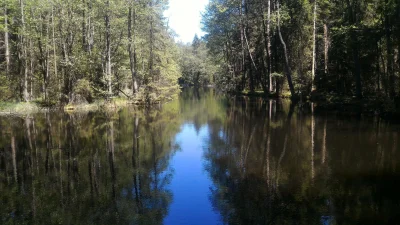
[5, 91]
[197, 65]
[357, 45]
[84, 89]
[66, 42]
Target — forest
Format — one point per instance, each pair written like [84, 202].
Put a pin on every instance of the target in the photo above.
[55, 51]
[321, 47]
[65, 51]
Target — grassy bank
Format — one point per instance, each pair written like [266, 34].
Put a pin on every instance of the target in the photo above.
[99, 104]
[7, 108]
[23, 108]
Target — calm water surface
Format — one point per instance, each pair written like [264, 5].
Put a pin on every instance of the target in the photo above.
[202, 159]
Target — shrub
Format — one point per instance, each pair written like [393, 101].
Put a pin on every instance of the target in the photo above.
[83, 89]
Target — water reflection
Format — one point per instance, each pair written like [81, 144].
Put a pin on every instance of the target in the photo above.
[277, 163]
[101, 168]
[246, 161]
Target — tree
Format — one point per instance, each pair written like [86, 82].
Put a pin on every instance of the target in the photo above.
[58, 44]
[287, 66]
[346, 43]
[197, 66]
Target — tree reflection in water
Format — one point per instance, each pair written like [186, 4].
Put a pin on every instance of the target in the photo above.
[94, 168]
[276, 163]
[271, 162]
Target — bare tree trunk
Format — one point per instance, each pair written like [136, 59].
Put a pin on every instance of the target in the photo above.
[287, 67]
[55, 50]
[384, 70]
[269, 46]
[242, 44]
[44, 56]
[25, 93]
[90, 32]
[64, 70]
[131, 46]
[390, 56]
[84, 26]
[314, 66]
[326, 47]
[151, 55]
[108, 49]
[31, 68]
[6, 41]
[46, 91]
[378, 70]
[355, 50]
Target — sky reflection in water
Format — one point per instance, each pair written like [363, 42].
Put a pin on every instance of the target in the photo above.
[202, 159]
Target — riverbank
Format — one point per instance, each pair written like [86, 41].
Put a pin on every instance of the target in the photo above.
[24, 108]
[12, 108]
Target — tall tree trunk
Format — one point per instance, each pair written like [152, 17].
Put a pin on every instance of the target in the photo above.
[84, 47]
[390, 54]
[314, 66]
[6, 41]
[151, 55]
[108, 49]
[265, 83]
[90, 32]
[55, 50]
[355, 50]
[24, 60]
[378, 69]
[384, 71]
[64, 70]
[47, 49]
[357, 70]
[271, 89]
[31, 67]
[326, 47]
[243, 64]
[247, 41]
[131, 46]
[287, 67]
[44, 56]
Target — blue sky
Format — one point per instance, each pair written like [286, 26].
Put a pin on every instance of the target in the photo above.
[185, 17]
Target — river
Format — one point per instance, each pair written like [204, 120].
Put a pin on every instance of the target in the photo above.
[204, 158]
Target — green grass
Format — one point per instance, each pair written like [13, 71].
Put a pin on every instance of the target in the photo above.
[99, 104]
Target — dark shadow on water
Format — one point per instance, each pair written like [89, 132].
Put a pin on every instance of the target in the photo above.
[270, 162]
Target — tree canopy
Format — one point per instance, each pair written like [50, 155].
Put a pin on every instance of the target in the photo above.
[342, 47]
